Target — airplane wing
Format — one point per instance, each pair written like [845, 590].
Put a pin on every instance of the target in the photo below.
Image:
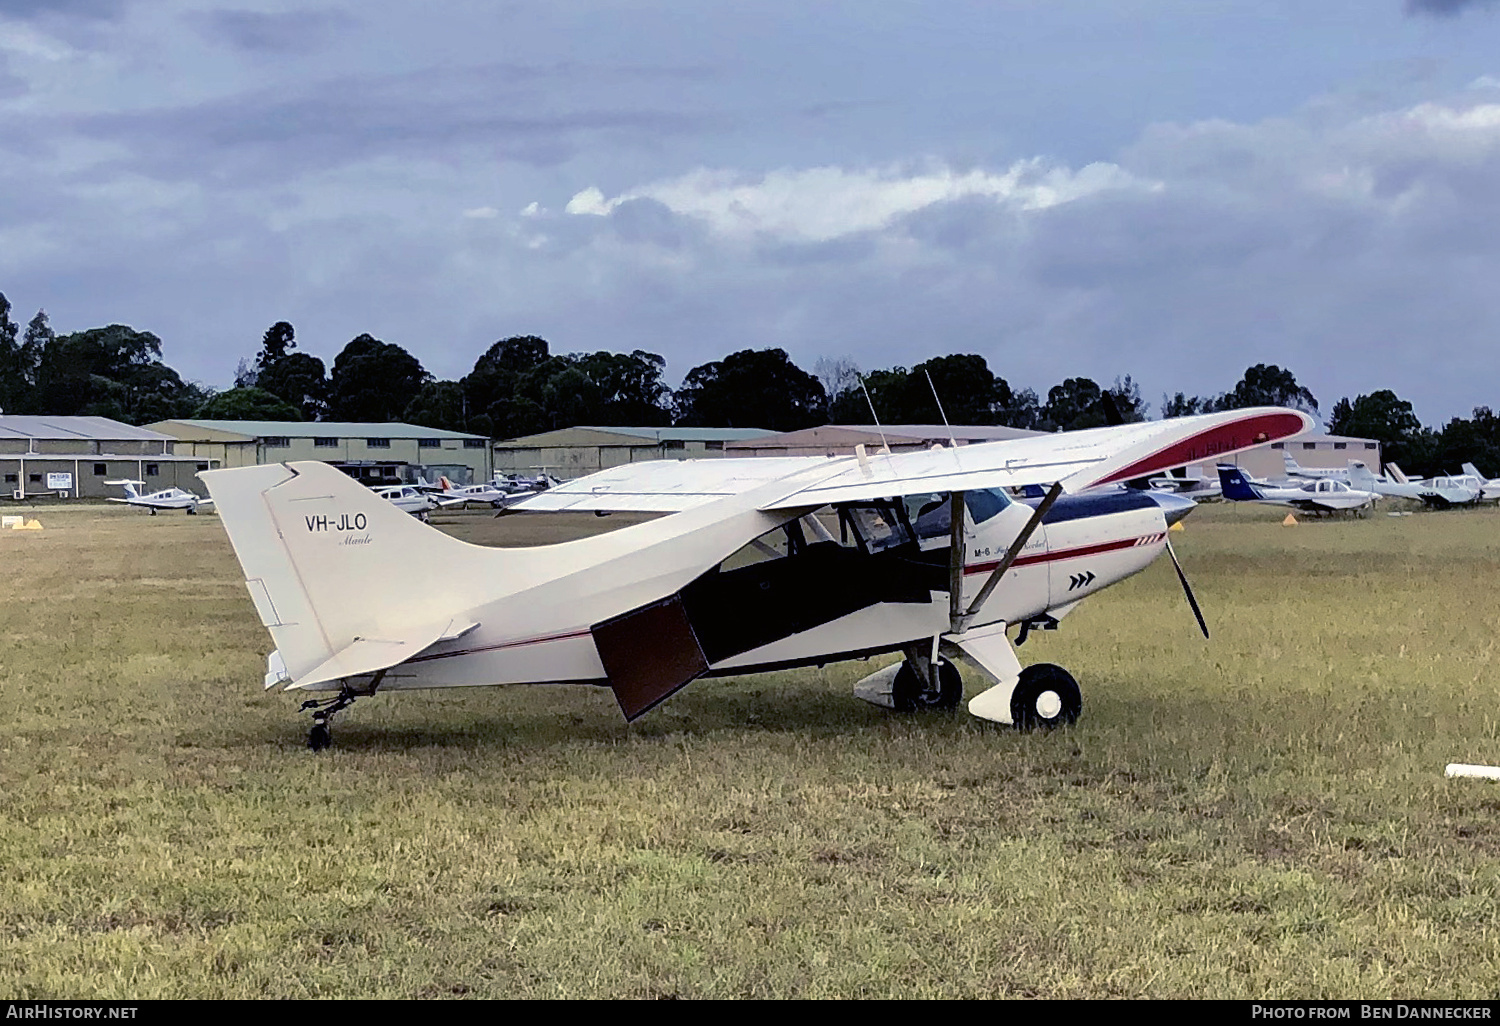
[668, 486]
[1078, 459]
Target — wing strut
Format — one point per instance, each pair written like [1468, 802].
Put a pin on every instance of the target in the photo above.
[957, 548]
[1016, 546]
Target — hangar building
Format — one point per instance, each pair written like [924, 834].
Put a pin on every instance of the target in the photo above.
[72, 457]
[372, 453]
[840, 439]
[573, 452]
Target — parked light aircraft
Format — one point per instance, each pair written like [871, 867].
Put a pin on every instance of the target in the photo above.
[407, 498]
[1320, 496]
[923, 553]
[1192, 487]
[1443, 492]
[1297, 472]
[490, 494]
[518, 483]
[1489, 488]
[167, 498]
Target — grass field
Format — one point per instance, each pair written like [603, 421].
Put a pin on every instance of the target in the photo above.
[1261, 815]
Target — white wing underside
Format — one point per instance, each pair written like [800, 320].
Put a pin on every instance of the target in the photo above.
[1078, 459]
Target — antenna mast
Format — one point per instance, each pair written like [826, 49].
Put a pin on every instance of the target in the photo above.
[952, 442]
[883, 443]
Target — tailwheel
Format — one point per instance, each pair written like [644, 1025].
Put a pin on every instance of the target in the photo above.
[1045, 696]
[908, 694]
[321, 735]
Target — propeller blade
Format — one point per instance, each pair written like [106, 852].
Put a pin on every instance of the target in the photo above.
[1187, 589]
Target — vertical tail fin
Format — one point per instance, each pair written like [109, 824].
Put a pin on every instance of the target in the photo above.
[330, 563]
[1360, 476]
[1234, 485]
[1396, 475]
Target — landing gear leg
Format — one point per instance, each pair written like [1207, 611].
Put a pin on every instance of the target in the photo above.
[923, 683]
[321, 736]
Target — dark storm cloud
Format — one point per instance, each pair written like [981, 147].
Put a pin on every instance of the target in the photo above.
[504, 110]
[279, 33]
[1444, 8]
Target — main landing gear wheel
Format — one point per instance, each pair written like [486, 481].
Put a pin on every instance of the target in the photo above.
[908, 694]
[1046, 696]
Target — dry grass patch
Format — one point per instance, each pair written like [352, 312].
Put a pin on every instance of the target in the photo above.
[1262, 815]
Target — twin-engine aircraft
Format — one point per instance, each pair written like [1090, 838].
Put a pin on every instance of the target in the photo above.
[167, 498]
[923, 553]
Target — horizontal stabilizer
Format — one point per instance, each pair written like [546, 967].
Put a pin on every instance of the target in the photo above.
[368, 655]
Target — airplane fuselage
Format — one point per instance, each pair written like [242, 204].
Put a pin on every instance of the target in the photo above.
[796, 596]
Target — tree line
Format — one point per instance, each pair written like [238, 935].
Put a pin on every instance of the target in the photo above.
[518, 386]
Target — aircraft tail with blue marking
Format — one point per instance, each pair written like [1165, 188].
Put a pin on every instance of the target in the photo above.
[1236, 486]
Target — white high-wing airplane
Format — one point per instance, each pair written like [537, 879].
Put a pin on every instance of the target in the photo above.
[1443, 492]
[1320, 496]
[930, 558]
[1489, 488]
[167, 498]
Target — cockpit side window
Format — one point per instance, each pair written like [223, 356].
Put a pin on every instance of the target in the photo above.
[878, 526]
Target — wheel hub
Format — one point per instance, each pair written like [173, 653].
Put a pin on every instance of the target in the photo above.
[1048, 705]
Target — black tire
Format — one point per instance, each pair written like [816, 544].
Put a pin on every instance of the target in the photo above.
[908, 695]
[1046, 696]
[320, 737]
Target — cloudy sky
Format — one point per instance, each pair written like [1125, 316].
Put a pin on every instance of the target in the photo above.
[1171, 189]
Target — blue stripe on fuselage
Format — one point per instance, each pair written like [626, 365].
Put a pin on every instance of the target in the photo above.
[1094, 504]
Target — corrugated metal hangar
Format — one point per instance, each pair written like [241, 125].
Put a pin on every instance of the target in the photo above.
[72, 457]
[373, 453]
[840, 439]
[573, 452]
